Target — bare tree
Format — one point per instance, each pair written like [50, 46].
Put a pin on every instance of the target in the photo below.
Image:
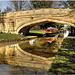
[41, 4]
[71, 4]
[7, 9]
[18, 5]
[0, 7]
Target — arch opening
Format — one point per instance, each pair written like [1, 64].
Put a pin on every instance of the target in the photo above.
[24, 28]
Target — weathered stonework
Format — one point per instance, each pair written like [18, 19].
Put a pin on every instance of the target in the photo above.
[17, 21]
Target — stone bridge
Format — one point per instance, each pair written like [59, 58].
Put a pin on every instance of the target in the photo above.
[22, 21]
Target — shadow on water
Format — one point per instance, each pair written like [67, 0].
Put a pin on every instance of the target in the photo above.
[35, 34]
[27, 57]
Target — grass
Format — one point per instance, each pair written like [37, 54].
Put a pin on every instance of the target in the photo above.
[10, 36]
[64, 62]
[37, 31]
[14, 36]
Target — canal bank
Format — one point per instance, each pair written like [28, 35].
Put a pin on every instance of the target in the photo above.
[18, 39]
[13, 37]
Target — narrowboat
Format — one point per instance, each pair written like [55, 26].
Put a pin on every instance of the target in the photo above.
[51, 31]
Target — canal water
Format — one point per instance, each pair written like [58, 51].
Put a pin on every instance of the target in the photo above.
[28, 57]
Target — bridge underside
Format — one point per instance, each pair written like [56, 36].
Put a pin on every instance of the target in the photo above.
[24, 29]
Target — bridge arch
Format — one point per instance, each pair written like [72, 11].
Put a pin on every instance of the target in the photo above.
[25, 27]
[17, 20]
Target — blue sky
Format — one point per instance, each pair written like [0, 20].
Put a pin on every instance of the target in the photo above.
[3, 4]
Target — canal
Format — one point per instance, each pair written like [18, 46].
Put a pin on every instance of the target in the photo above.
[28, 57]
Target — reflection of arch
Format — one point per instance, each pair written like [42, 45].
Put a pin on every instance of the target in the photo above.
[13, 55]
[28, 26]
[29, 54]
[16, 56]
[37, 61]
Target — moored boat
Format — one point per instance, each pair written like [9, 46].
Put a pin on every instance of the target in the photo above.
[51, 34]
[51, 39]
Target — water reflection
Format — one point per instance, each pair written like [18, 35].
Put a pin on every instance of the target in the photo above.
[42, 46]
[25, 58]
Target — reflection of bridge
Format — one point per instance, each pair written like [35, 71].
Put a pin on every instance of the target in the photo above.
[39, 56]
[19, 55]
[15, 56]
[22, 21]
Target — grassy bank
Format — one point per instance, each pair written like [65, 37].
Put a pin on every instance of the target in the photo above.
[37, 31]
[15, 36]
[64, 62]
[10, 36]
